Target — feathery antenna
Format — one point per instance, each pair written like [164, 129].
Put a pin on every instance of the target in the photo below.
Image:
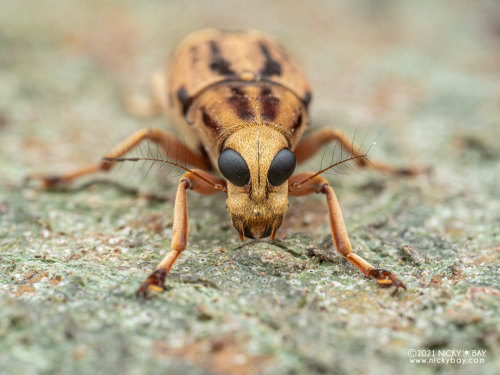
[296, 185]
[163, 161]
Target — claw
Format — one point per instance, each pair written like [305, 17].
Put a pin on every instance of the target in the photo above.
[155, 282]
[386, 279]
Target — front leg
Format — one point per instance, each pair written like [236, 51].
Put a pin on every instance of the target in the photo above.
[156, 281]
[319, 184]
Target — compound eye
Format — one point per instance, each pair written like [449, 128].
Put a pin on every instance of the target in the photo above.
[282, 167]
[234, 167]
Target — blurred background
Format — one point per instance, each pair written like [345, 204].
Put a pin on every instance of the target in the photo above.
[421, 78]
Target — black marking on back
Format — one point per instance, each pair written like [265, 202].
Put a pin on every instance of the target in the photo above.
[270, 104]
[266, 91]
[218, 64]
[271, 67]
[307, 99]
[185, 99]
[209, 121]
[297, 123]
[237, 91]
[241, 104]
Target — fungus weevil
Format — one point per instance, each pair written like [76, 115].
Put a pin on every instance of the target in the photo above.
[241, 104]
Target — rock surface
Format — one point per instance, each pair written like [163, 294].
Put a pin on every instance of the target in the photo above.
[419, 79]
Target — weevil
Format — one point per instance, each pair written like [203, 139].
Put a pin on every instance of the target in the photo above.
[241, 103]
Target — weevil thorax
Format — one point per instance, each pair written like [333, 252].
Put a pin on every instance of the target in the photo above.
[257, 209]
[246, 125]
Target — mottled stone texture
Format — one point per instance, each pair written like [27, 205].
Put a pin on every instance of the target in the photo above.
[421, 78]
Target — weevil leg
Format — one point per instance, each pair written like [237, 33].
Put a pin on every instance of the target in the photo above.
[340, 237]
[152, 105]
[173, 148]
[156, 281]
[320, 137]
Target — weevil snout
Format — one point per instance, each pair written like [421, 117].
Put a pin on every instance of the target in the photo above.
[262, 220]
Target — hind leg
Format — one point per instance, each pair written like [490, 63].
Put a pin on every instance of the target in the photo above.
[321, 137]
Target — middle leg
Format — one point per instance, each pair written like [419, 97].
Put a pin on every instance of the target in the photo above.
[172, 147]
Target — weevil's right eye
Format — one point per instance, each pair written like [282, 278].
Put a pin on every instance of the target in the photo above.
[234, 167]
[281, 167]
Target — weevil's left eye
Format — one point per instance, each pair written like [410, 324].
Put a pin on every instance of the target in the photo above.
[282, 167]
[234, 167]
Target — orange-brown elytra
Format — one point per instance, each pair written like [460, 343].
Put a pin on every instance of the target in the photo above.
[242, 106]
